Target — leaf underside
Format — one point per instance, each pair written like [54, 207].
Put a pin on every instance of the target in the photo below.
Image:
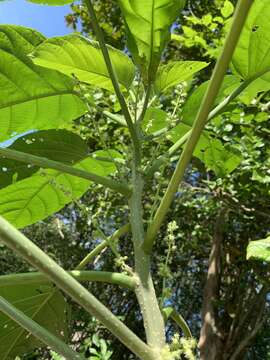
[43, 304]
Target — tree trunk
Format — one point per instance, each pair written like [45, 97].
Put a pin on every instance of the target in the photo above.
[210, 338]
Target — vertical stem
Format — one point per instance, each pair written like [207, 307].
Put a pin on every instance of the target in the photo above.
[38, 331]
[240, 16]
[152, 317]
[112, 73]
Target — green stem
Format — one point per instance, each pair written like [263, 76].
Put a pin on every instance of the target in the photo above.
[145, 292]
[81, 276]
[99, 248]
[145, 103]
[41, 261]
[117, 118]
[240, 16]
[51, 164]
[38, 331]
[112, 73]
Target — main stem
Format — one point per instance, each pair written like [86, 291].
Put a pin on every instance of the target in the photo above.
[221, 67]
[145, 292]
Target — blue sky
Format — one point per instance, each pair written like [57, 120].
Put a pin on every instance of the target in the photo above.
[47, 19]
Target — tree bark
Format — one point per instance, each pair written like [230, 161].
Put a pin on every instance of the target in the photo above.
[210, 338]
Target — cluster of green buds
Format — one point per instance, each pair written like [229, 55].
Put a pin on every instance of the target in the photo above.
[179, 347]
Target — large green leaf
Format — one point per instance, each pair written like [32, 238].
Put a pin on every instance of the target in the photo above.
[77, 55]
[252, 55]
[59, 145]
[47, 191]
[148, 29]
[31, 97]
[259, 249]
[176, 72]
[43, 304]
[19, 40]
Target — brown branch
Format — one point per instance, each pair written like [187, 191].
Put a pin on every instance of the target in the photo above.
[209, 342]
[249, 325]
[246, 341]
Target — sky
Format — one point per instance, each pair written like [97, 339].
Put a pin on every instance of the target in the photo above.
[47, 19]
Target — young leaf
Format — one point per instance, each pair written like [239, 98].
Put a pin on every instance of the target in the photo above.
[176, 72]
[46, 192]
[31, 97]
[227, 9]
[259, 249]
[252, 53]
[59, 145]
[77, 55]
[43, 304]
[148, 29]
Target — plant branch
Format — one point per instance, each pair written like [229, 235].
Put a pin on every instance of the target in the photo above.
[81, 276]
[15, 240]
[51, 164]
[145, 103]
[115, 117]
[239, 19]
[38, 331]
[112, 73]
[103, 245]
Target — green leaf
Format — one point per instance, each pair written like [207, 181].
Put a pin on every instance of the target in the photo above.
[19, 40]
[46, 192]
[259, 249]
[176, 72]
[77, 55]
[28, 93]
[148, 30]
[252, 53]
[227, 9]
[43, 304]
[261, 84]
[58, 145]
[215, 156]
[51, 2]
